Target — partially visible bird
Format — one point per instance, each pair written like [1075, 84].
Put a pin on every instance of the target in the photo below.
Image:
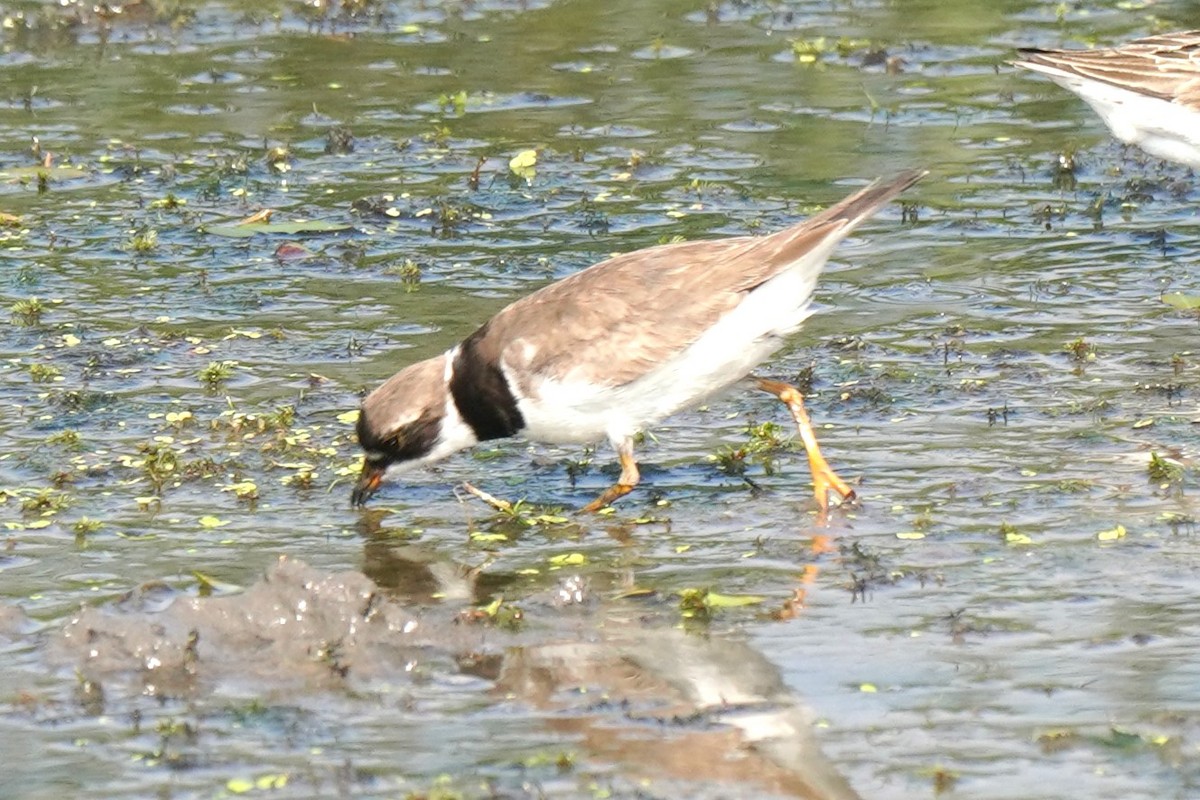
[1147, 91]
[617, 347]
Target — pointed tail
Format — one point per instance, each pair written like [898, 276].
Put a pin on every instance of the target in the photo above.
[865, 202]
[822, 232]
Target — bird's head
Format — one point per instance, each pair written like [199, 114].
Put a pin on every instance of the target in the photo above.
[404, 422]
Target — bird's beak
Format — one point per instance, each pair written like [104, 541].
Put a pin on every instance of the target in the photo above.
[368, 483]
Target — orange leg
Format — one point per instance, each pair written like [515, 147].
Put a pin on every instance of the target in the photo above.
[824, 478]
[629, 479]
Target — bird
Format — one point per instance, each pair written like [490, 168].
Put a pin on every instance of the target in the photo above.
[1147, 91]
[617, 347]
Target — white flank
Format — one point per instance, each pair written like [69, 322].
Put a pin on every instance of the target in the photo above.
[574, 410]
[1160, 127]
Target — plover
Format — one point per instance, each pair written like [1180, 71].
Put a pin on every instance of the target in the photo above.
[617, 347]
[1146, 91]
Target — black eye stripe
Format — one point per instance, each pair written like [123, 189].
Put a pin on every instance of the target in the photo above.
[411, 440]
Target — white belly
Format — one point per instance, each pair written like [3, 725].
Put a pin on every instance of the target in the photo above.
[1160, 127]
[575, 412]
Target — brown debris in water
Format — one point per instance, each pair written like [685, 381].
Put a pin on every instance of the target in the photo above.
[297, 627]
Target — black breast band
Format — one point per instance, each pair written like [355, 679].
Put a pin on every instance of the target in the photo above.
[481, 392]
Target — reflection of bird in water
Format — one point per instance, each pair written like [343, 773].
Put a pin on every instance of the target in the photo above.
[689, 708]
[1146, 91]
[618, 347]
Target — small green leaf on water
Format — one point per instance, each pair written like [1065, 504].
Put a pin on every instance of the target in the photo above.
[348, 417]
[523, 165]
[271, 781]
[568, 560]
[492, 608]
[549, 519]
[868, 688]
[262, 783]
[1184, 302]
[246, 490]
[714, 600]
[910, 535]
[1011, 535]
[523, 161]
[234, 333]
[209, 585]
[480, 536]
[209, 521]
[682, 548]
[1143, 423]
[1112, 535]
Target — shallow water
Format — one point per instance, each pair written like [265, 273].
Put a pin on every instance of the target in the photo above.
[1005, 615]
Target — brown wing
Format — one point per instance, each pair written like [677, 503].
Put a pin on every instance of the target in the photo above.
[1166, 67]
[613, 322]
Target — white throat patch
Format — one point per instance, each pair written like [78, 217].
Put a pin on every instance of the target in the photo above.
[455, 433]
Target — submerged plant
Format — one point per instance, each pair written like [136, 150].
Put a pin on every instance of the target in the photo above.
[281, 418]
[28, 312]
[44, 373]
[216, 373]
[303, 478]
[409, 272]
[159, 463]
[144, 240]
[765, 441]
[1163, 470]
[169, 203]
[45, 502]
[66, 438]
[496, 613]
[84, 526]
[1081, 350]
[455, 103]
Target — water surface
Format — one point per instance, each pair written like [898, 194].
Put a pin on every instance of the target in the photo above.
[1006, 615]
